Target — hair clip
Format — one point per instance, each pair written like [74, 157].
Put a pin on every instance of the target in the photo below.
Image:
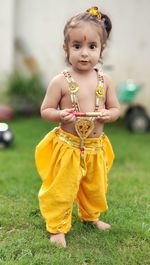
[94, 12]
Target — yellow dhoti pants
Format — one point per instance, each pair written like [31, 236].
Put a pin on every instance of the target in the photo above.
[58, 163]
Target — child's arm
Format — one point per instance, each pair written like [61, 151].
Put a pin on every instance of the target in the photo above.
[112, 106]
[49, 107]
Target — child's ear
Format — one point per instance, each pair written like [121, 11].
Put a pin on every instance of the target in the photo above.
[102, 48]
[65, 48]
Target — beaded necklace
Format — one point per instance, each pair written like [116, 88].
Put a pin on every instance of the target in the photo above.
[85, 125]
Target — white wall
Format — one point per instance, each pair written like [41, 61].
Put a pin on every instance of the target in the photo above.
[40, 23]
[6, 37]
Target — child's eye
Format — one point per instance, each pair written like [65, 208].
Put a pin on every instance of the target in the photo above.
[92, 46]
[77, 46]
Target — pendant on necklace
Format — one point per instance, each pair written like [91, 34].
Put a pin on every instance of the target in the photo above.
[73, 87]
[100, 91]
[84, 127]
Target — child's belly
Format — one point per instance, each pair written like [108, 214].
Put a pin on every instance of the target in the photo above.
[96, 132]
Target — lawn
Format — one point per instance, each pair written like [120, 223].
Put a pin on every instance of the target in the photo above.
[23, 238]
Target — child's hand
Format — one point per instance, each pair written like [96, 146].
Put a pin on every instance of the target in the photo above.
[67, 116]
[105, 115]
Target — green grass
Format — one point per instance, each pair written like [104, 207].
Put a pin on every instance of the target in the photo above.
[24, 239]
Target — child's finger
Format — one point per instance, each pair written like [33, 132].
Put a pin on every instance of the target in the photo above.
[70, 110]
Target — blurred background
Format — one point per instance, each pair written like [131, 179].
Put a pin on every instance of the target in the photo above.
[31, 53]
[31, 37]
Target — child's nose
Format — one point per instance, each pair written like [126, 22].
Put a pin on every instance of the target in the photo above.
[84, 52]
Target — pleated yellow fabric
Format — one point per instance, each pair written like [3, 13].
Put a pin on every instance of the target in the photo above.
[58, 163]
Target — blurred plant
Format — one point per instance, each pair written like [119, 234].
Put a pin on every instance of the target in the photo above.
[25, 93]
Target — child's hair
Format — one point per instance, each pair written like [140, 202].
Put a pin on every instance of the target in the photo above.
[93, 15]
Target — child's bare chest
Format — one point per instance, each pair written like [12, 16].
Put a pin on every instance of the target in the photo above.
[86, 97]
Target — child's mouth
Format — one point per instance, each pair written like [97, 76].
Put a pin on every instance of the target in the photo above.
[84, 62]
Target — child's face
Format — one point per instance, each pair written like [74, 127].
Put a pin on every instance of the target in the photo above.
[84, 46]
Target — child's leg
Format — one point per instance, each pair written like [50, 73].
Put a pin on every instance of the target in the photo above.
[58, 163]
[57, 194]
[92, 191]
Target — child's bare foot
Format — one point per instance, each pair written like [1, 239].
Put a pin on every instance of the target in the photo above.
[101, 225]
[58, 239]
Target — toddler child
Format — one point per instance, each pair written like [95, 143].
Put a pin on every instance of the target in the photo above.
[73, 160]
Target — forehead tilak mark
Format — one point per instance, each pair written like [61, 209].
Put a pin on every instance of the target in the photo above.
[84, 38]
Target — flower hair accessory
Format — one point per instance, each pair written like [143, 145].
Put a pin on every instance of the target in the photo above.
[94, 12]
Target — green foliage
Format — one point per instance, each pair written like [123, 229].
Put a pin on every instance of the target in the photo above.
[23, 237]
[25, 93]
